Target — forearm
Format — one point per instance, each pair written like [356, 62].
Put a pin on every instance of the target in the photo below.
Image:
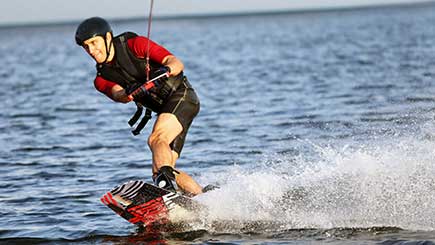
[119, 95]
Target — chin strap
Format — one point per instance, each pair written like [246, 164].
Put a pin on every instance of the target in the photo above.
[108, 49]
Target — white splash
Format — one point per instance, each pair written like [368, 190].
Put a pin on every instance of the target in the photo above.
[386, 182]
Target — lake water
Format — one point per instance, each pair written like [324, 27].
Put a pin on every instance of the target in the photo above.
[318, 127]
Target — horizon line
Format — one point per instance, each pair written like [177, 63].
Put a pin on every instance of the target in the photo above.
[225, 15]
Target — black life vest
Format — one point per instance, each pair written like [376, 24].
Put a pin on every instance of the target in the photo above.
[129, 72]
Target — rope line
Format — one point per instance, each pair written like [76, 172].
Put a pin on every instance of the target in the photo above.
[148, 41]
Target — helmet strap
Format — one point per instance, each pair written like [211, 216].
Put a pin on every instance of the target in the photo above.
[108, 48]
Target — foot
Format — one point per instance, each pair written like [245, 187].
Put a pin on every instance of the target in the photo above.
[165, 177]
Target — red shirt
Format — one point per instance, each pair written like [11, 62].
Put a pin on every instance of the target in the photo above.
[138, 45]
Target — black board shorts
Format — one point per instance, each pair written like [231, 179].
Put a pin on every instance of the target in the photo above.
[184, 104]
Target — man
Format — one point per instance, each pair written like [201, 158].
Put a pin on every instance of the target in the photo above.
[122, 69]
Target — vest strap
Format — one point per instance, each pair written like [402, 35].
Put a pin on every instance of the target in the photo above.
[136, 117]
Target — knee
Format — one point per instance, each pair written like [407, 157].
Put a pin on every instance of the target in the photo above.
[152, 140]
[156, 139]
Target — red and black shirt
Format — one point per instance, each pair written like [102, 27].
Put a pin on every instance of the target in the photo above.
[138, 45]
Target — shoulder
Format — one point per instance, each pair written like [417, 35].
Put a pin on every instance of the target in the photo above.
[131, 38]
[138, 45]
[137, 40]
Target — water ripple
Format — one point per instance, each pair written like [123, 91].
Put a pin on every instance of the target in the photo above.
[275, 99]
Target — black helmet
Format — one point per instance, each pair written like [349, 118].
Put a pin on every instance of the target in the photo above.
[92, 27]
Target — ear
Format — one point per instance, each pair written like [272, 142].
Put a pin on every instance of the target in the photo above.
[108, 37]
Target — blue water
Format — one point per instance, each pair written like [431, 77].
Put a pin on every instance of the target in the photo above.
[319, 128]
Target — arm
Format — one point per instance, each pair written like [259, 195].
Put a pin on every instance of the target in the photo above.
[119, 95]
[158, 54]
[111, 90]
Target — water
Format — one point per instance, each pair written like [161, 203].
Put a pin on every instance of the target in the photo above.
[319, 128]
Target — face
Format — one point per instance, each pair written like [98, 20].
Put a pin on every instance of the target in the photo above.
[96, 48]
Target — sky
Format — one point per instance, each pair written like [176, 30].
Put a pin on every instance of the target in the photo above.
[43, 11]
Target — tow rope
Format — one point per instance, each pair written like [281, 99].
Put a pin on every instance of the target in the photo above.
[150, 18]
[146, 86]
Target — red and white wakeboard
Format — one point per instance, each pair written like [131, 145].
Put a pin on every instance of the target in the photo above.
[144, 204]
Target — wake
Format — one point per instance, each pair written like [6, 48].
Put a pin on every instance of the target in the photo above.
[386, 182]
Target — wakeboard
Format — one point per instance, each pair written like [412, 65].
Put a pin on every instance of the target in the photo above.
[146, 205]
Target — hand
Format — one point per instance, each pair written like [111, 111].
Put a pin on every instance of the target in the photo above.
[163, 73]
[160, 71]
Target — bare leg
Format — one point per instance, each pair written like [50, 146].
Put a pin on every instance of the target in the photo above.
[187, 183]
[164, 132]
